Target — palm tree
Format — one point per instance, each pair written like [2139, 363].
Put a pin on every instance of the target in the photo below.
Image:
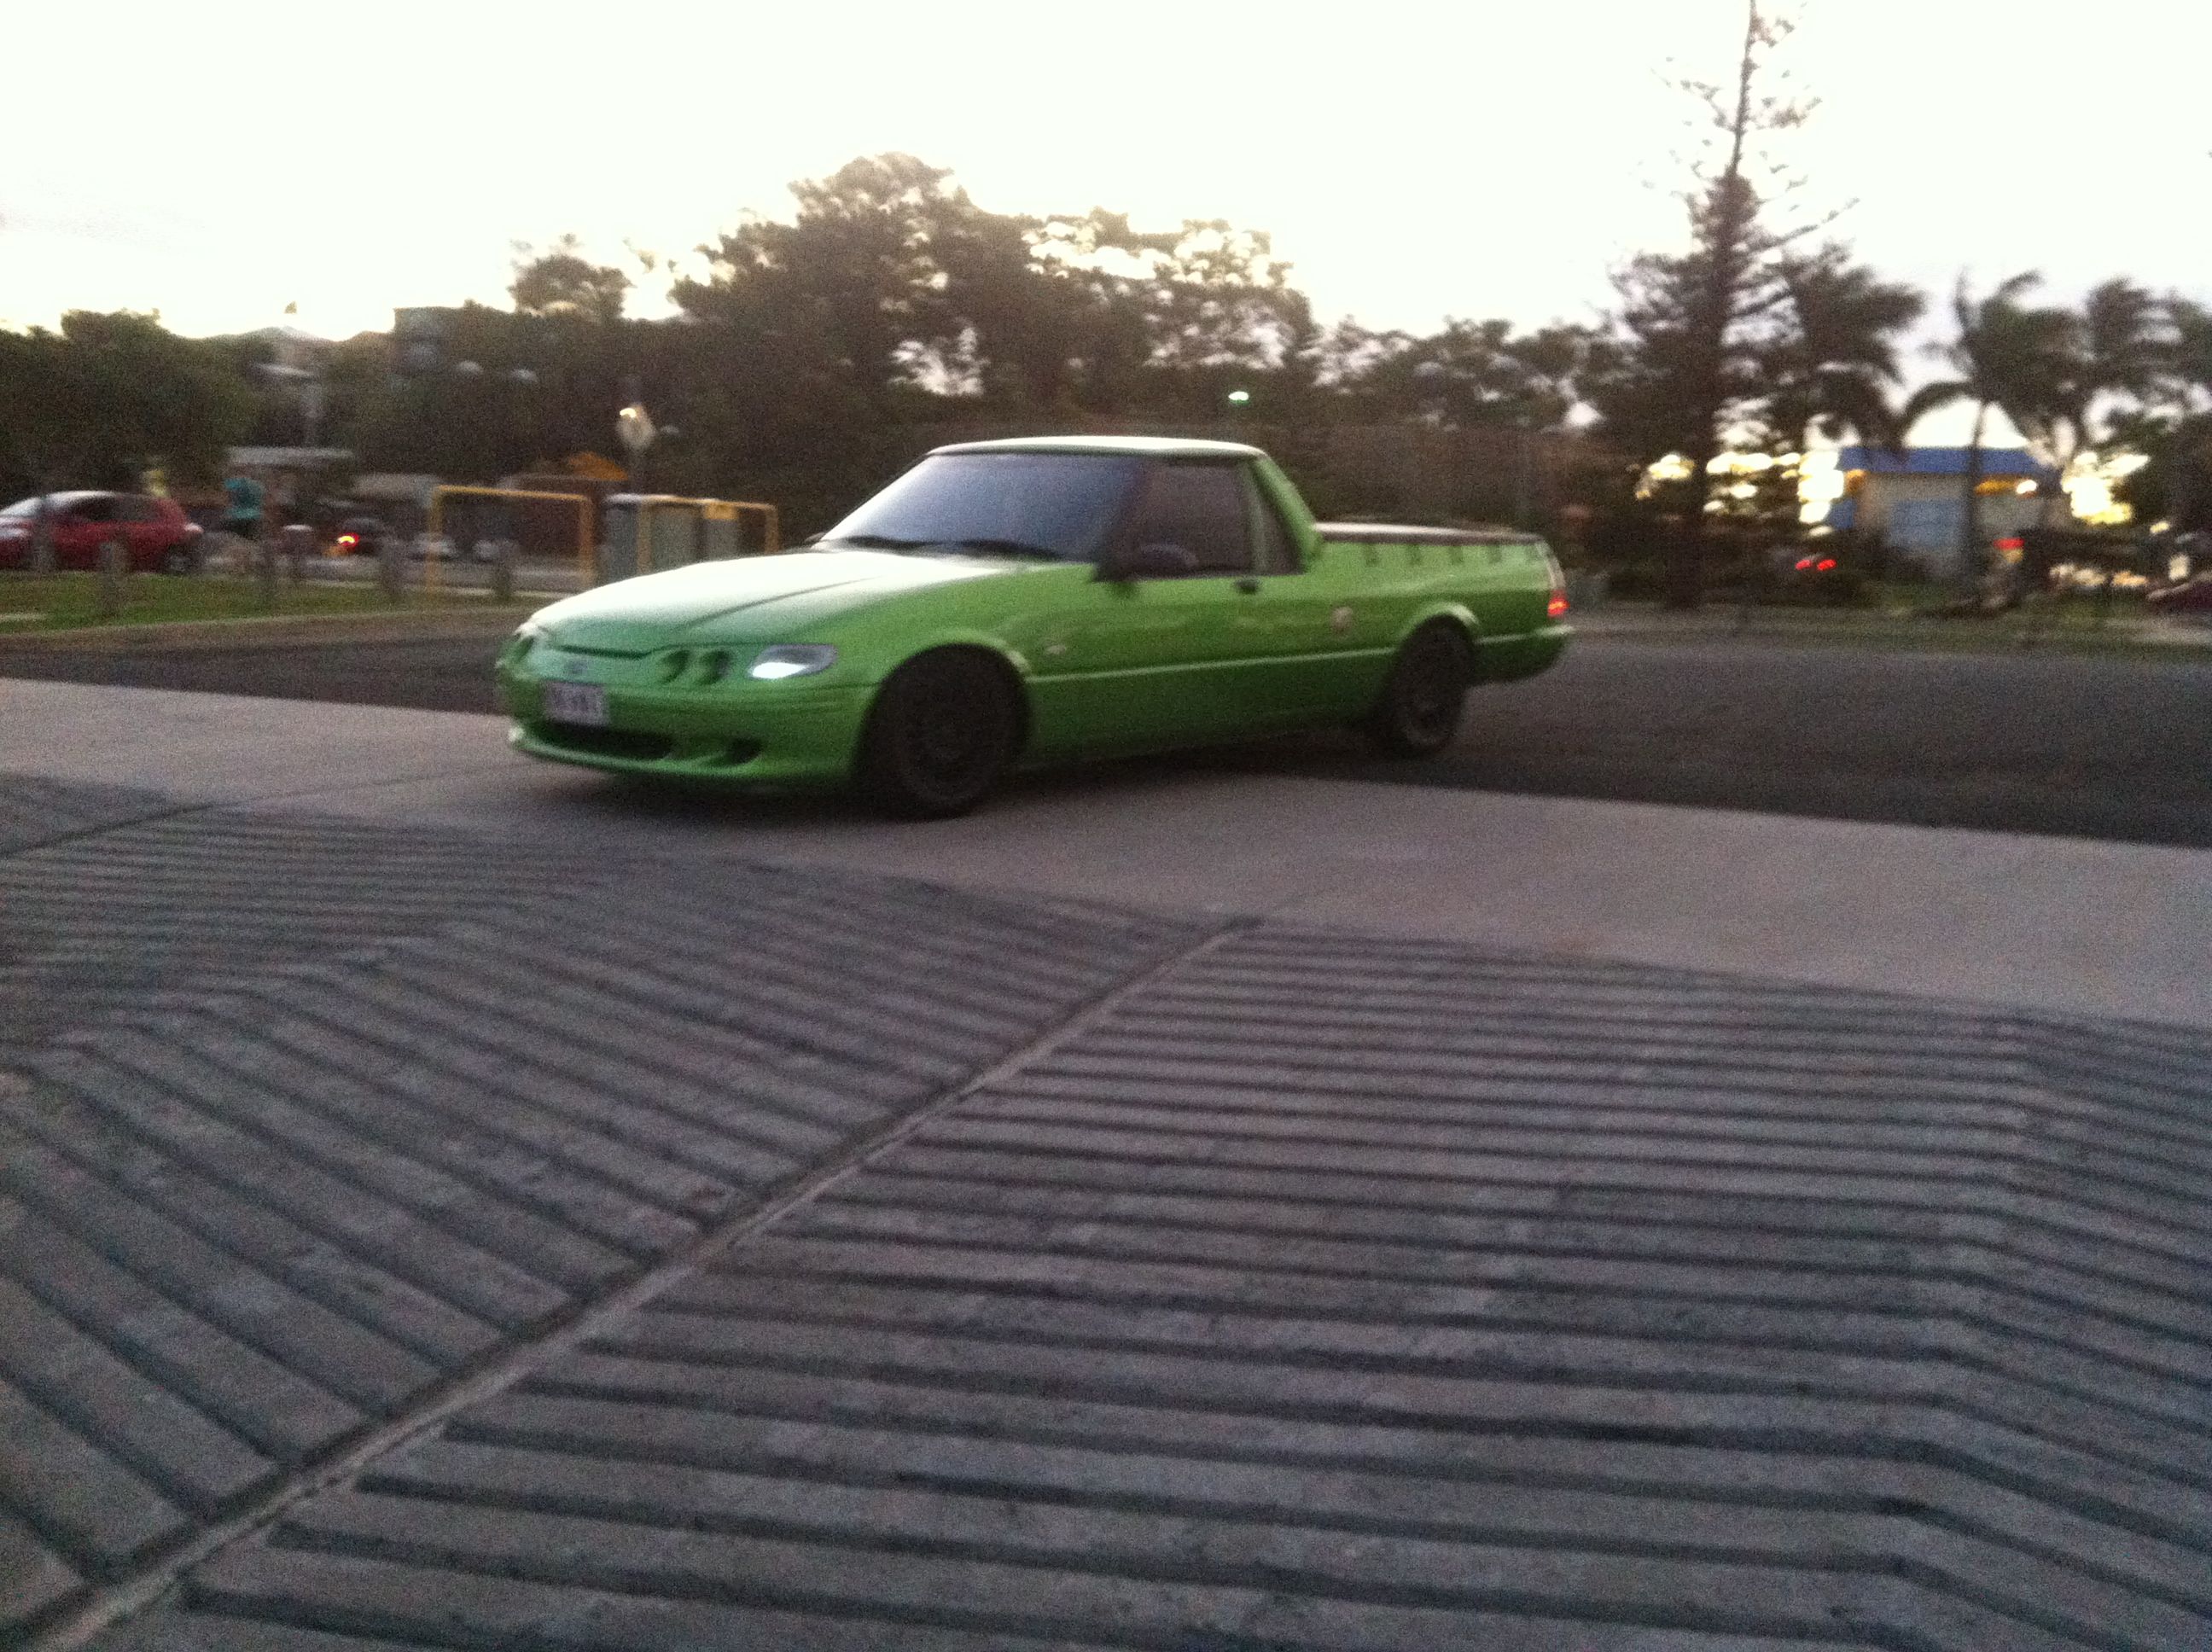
[2115, 349]
[2007, 355]
[1832, 364]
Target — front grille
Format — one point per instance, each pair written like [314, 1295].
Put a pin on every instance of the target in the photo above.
[605, 742]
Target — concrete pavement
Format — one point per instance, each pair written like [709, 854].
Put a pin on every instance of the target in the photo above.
[2061, 924]
[445, 1202]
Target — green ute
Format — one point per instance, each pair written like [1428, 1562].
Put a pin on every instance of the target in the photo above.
[1034, 601]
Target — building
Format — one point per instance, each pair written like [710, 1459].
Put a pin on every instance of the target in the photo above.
[1914, 498]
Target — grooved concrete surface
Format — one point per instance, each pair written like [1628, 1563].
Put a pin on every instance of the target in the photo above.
[301, 1121]
[1328, 1292]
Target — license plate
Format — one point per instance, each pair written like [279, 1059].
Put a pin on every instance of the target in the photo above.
[577, 702]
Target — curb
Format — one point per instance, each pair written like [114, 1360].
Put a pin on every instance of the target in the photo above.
[1923, 636]
[270, 630]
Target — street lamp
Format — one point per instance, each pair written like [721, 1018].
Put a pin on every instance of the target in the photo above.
[634, 426]
[1238, 397]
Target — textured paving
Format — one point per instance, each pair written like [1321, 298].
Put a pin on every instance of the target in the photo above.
[1326, 1293]
[33, 811]
[302, 1121]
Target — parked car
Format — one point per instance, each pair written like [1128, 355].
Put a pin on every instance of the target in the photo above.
[1025, 602]
[155, 533]
[2189, 596]
[360, 535]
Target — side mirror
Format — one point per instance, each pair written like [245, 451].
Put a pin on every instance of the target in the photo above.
[1158, 560]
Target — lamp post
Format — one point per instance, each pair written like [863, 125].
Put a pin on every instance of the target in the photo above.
[634, 427]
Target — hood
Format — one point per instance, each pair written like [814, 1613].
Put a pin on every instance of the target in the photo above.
[745, 599]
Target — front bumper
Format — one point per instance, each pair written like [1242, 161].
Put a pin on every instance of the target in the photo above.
[740, 733]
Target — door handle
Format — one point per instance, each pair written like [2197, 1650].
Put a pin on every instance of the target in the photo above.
[1249, 587]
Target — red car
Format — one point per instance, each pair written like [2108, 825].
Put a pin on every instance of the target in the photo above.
[154, 532]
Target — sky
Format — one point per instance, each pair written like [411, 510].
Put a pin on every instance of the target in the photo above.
[220, 161]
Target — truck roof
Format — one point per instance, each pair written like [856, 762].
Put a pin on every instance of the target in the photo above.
[1133, 446]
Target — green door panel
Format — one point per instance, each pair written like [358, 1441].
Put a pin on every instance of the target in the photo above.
[1132, 664]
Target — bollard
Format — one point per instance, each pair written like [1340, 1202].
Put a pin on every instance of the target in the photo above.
[503, 554]
[114, 568]
[299, 545]
[264, 572]
[44, 559]
[391, 567]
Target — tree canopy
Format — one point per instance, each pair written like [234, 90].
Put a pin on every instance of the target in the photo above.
[107, 396]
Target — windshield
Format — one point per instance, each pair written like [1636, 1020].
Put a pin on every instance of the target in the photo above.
[1057, 505]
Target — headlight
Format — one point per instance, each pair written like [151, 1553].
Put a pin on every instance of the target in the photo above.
[791, 659]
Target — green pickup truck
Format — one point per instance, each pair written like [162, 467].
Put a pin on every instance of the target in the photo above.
[1011, 602]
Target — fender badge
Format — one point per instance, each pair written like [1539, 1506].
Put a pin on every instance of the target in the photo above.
[1340, 618]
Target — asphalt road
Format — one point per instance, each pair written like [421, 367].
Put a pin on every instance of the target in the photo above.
[2096, 746]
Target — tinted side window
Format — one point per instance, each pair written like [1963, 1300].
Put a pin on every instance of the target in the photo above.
[1201, 508]
[94, 510]
[133, 507]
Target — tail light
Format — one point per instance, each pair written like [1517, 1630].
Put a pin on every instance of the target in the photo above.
[1826, 565]
[348, 540]
[1555, 605]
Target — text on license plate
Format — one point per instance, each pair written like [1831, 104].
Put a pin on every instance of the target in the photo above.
[576, 702]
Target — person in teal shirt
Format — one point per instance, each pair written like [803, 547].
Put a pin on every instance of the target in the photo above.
[242, 507]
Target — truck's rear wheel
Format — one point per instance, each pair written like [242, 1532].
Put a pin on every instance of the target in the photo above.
[1423, 698]
[942, 730]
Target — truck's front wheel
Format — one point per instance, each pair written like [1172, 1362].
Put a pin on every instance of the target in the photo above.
[939, 736]
[1423, 698]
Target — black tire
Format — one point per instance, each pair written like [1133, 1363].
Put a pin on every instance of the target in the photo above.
[1425, 694]
[944, 727]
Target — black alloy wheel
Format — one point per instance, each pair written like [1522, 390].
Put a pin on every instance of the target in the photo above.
[1425, 694]
[939, 736]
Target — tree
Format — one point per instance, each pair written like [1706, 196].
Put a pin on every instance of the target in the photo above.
[2110, 349]
[2005, 354]
[2174, 427]
[562, 282]
[1829, 364]
[890, 276]
[1680, 368]
[854, 284]
[1470, 373]
[108, 395]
